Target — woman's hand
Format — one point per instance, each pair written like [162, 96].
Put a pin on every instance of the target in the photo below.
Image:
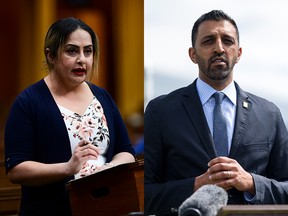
[83, 152]
[120, 158]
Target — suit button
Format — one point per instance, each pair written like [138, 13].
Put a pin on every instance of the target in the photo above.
[174, 210]
[229, 192]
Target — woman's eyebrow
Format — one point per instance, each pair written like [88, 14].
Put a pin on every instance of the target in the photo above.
[76, 46]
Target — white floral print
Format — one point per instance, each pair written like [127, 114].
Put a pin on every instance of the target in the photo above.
[92, 126]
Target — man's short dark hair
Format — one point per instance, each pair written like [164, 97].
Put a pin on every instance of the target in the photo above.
[216, 15]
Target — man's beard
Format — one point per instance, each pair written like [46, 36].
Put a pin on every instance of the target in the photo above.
[219, 72]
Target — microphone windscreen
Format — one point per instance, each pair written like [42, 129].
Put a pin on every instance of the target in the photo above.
[208, 199]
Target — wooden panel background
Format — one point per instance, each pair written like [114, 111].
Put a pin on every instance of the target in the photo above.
[120, 27]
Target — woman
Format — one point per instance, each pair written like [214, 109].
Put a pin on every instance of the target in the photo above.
[63, 123]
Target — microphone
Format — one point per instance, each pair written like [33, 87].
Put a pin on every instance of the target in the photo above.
[206, 201]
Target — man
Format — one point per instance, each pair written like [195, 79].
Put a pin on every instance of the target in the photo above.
[181, 154]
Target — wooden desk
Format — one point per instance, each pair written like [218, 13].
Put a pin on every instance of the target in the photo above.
[10, 194]
[254, 210]
[115, 191]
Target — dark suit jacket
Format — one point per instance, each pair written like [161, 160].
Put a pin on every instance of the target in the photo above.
[178, 146]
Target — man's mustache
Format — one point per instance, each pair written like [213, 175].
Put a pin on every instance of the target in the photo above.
[216, 57]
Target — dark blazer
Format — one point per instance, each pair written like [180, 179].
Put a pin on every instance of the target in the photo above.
[178, 146]
[35, 131]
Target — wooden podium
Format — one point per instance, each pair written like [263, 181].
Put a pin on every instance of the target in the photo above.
[254, 210]
[111, 192]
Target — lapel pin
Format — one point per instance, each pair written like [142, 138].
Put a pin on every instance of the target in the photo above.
[245, 104]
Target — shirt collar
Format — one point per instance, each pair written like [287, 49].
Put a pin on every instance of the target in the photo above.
[205, 91]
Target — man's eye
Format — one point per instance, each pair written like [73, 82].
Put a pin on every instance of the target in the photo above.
[228, 41]
[208, 41]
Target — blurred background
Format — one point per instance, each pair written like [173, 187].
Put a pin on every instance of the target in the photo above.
[119, 25]
[263, 68]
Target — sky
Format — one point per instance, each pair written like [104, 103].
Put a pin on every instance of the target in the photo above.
[262, 24]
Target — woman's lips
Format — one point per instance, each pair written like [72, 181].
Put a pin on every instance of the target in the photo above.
[79, 71]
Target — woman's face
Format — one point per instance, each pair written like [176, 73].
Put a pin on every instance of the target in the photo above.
[74, 60]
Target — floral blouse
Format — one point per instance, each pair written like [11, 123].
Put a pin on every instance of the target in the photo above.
[92, 126]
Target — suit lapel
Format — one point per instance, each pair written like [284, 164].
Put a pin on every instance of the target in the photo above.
[243, 108]
[193, 107]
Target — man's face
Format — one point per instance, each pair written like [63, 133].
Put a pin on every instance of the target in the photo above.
[216, 51]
